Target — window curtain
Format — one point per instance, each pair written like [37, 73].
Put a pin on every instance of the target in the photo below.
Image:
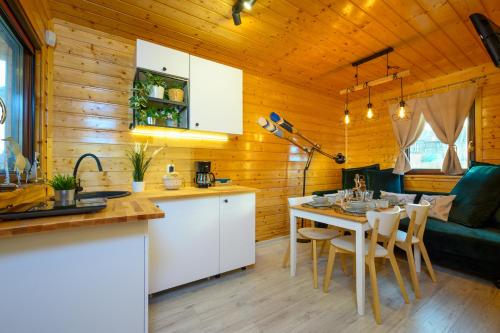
[446, 115]
[406, 132]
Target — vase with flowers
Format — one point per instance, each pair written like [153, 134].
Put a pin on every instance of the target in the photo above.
[140, 164]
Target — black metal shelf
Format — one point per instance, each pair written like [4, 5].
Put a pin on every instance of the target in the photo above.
[167, 101]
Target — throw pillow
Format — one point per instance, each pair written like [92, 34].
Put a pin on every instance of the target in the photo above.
[440, 205]
[349, 174]
[399, 198]
[377, 180]
[477, 196]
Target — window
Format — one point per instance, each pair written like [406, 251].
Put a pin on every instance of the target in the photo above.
[16, 86]
[428, 152]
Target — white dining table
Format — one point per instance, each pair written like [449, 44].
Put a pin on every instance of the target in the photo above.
[358, 224]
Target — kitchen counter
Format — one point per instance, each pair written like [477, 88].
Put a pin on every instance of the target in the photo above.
[136, 207]
[127, 209]
[193, 192]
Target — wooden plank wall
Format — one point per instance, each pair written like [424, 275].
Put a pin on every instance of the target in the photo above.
[93, 74]
[372, 141]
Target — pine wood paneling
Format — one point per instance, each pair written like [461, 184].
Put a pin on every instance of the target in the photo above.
[93, 74]
[308, 43]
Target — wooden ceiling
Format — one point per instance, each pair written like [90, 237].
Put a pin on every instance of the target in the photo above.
[308, 43]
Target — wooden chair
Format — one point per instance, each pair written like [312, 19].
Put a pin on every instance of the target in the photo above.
[384, 228]
[313, 234]
[415, 236]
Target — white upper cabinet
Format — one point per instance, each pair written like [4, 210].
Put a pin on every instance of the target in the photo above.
[216, 97]
[162, 59]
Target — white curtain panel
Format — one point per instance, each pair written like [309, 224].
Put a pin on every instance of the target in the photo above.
[406, 131]
[446, 113]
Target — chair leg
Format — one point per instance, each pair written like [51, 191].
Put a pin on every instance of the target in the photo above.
[427, 260]
[395, 268]
[413, 271]
[343, 263]
[373, 282]
[329, 268]
[286, 257]
[315, 264]
[323, 247]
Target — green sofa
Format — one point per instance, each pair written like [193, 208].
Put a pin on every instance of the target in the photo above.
[473, 250]
[470, 240]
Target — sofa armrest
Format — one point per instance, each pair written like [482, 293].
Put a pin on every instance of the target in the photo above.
[322, 193]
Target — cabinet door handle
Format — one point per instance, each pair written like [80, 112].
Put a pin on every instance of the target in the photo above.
[226, 201]
[164, 69]
[197, 124]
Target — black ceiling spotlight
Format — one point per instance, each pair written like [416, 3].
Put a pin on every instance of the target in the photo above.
[238, 8]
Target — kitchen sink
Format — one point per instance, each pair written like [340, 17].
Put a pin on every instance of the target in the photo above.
[103, 194]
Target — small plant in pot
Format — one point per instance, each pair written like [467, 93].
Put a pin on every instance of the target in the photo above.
[172, 117]
[151, 115]
[176, 92]
[139, 101]
[157, 85]
[140, 164]
[64, 189]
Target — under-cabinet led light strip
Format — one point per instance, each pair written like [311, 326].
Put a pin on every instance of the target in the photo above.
[173, 134]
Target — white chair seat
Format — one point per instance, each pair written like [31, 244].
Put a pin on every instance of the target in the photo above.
[401, 237]
[348, 243]
[318, 233]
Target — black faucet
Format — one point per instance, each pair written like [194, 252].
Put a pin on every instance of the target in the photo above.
[75, 170]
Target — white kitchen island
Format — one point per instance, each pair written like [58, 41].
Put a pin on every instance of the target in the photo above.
[77, 273]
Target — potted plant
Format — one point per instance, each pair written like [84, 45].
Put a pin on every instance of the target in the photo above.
[176, 92]
[140, 164]
[157, 85]
[64, 189]
[172, 117]
[152, 115]
[139, 101]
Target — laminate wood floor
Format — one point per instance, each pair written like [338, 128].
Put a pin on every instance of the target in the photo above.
[266, 299]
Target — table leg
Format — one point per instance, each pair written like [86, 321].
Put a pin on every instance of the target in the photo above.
[293, 243]
[418, 257]
[360, 269]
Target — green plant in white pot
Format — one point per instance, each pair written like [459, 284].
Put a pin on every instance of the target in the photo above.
[157, 85]
[140, 164]
[64, 189]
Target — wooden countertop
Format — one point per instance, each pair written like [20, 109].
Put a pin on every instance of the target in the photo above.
[127, 209]
[136, 207]
[193, 192]
[332, 213]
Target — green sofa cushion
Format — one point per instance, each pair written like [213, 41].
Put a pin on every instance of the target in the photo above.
[385, 180]
[479, 244]
[477, 196]
[348, 174]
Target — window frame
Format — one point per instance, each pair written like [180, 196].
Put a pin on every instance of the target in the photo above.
[471, 141]
[19, 24]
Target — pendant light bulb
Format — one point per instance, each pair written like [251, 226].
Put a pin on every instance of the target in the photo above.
[346, 110]
[402, 111]
[369, 113]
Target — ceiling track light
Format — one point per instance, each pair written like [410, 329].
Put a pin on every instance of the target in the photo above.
[238, 8]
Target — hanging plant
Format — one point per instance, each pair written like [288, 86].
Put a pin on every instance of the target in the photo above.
[139, 100]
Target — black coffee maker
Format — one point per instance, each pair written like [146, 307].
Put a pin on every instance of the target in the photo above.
[204, 178]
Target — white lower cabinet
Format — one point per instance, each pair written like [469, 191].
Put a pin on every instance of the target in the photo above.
[237, 231]
[184, 245]
[200, 237]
